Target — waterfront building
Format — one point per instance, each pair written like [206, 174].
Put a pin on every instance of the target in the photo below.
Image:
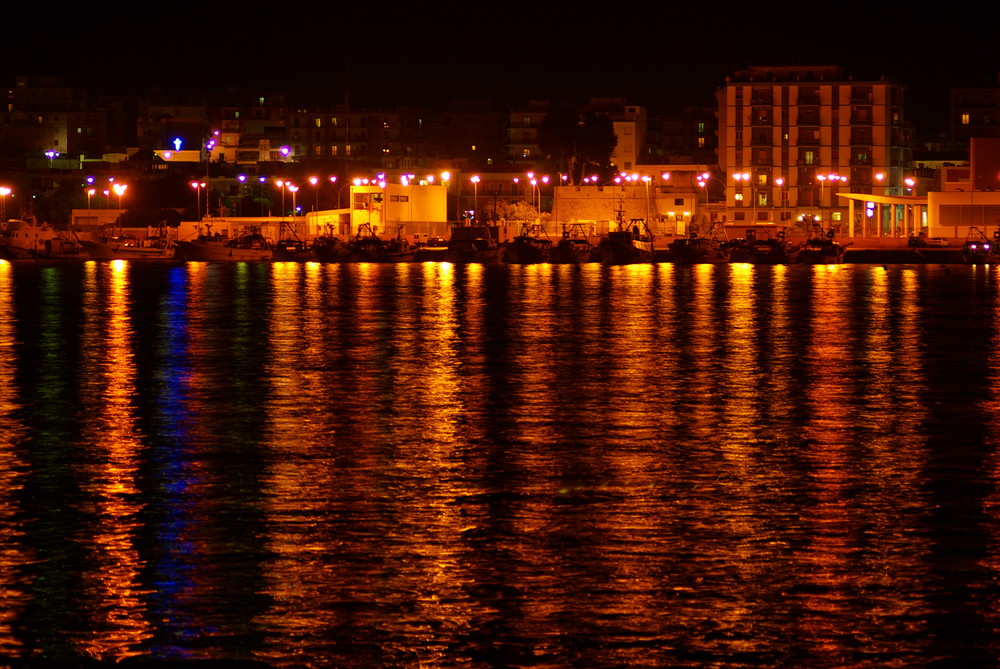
[670, 198]
[791, 139]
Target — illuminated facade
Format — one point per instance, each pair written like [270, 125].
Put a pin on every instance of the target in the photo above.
[792, 138]
[403, 209]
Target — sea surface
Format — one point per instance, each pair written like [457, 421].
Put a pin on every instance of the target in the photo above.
[428, 465]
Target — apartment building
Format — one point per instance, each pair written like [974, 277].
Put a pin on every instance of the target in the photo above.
[975, 112]
[791, 139]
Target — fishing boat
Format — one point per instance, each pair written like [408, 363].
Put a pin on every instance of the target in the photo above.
[530, 246]
[433, 250]
[398, 248]
[290, 247]
[697, 248]
[23, 238]
[979, 249]
[821, 249]
[366, 246]
[474, 244]
[329, 248]
[129, 246]
[293, 249]
[248, 246]
[574, 247]
[628, 243]
[760, 247]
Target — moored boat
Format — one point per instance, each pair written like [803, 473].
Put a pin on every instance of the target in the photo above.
[574, 247]
[474, 244]
[130, 247]
[432, 250]
[979, 249]
[627, 244]
[247, 247]
[331, 249]
[292, 248]
[821, 249]
[760, 247]
[24, 239]
[698, 249]
[366, 246]
[528, 247]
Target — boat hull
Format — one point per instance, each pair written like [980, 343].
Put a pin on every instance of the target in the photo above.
[213, 251]
[114, 251]
[697, 250]
[572, 252]
[474, 244]
[526, 251]
[625, 252]
[25, 240]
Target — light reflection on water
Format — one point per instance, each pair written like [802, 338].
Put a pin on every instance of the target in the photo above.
[374, 465]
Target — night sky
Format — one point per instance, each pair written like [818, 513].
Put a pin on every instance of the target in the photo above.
[663, 55]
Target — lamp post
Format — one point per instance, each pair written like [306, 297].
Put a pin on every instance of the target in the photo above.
[876, 182]
[833, 178]
[119, 190]
[197, 186]
[293, 189]
[341, 190]
[314, 181]
[4, 192]
[475, 195]
[242, 178]
[281, 184]
[446, 178]
[746, 178]
[646, 181]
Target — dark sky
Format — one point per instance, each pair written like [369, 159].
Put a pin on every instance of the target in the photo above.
[663, 55]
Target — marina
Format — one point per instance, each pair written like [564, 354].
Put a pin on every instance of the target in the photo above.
[632, 243]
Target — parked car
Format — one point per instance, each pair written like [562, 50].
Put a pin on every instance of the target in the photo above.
[937, 241]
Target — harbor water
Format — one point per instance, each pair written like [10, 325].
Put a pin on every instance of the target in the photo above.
[428, 465]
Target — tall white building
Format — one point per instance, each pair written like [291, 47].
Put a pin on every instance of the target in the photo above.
[792, 138]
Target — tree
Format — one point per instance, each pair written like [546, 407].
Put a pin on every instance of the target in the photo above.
[510, 211]
[583, 143]
[596, 143]
[557, 136]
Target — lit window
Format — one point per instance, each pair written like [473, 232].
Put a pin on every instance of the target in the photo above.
[965, 119]
[810, 157]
